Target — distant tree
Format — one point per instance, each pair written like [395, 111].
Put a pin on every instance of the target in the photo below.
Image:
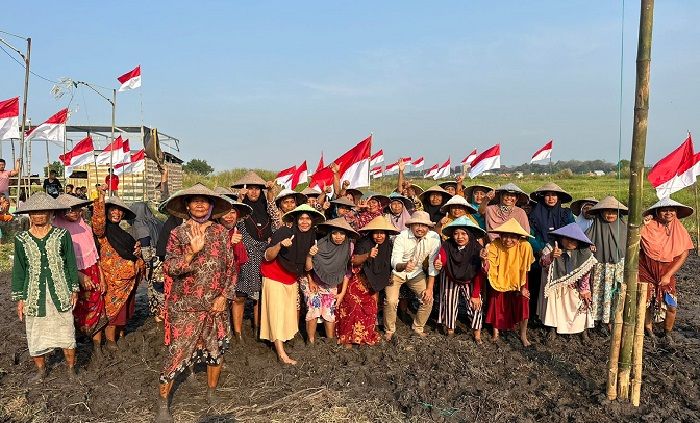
[57, 166]
[198, 167]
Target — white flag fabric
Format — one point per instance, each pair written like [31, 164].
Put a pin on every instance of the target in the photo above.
[489, 159]
[9, 119]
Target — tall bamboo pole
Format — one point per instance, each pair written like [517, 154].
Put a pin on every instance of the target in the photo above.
[614, 357]
[639, 139]
[114, 124]
[638, 350]
[24, 119]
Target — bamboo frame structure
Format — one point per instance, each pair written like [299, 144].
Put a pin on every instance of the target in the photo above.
[615, 345]
[638, 350]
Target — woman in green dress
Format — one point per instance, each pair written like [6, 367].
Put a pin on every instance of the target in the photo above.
[45, 284]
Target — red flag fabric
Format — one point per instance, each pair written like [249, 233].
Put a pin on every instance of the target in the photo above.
[116, 152]
[432, 171]
[418, 162]
[9, 119]
[320, 164]
[54, 129]
[377, 157]
[443, 171]
[487, 160]
[354, 167]
[284, 177]
[675, 171]
[131, 79]
[543, 153]
[469, 159]
[82, 153]
[300, 176]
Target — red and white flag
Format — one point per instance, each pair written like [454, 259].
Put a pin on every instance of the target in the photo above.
[284, 178]
[116, 152]
[469, 159]
[487, 160]
[418, 162]
[376, 158]
[131, 79]
[354, 167]
[137, 163]
[54, 129]
[9, 119]
[676, 171]
[320, 164]
[543, 153]
[443, 171]
[300, 176]
[82, 154]
[392, 167]
[377, 172]
[432, 171]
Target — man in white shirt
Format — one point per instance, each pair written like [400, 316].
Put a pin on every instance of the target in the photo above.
[414, 250]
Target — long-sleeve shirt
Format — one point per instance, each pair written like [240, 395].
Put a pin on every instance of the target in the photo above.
[407, 246]
[42, 266]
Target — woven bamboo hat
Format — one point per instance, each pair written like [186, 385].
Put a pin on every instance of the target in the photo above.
[343, 202]
[460, 201]
[226, 193]
[382, 199]
[250, 178]
[40, 201]
[564, 197]
[338, 223]
[299, 197]
[177, 204]
[243, 209]
[446, 184]
[380, 223]
[463, 222]
[609, 203]
[577, 205]
[310, 192]
[511, 226]
[417, 189]
[682, 211]
[469, 191]
[420, 216]
[511, 188]
[407, 203]
[71, 201]
[316, 216]
[435, 188]
[117, 202]
[573, 231]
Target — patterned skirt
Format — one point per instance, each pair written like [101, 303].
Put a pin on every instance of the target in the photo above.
[357, 314]
[320, 303]
[606, 282]
[156, 290]
[250, 281]
[89, 312]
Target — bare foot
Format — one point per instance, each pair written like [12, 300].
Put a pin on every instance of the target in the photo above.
[496, 337]
[348, 346]
[525, 342]
[388, 336]
[450, 333]
[421, 334]
[286, 360]
[477, 337]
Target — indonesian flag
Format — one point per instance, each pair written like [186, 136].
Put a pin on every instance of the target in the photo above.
[54, 129]
[82, 154]
[676, 171]
[300, 176]
[9, 119]
[118, 150]
[136, 164]
[543, 153]
[418, 162]
[443, 171]
[131, 79]
[487, 160]
[376, 172]
[376, 158]
[320, 164]
[354, 167]
[469, 159]
[284, 178]
[392, 167]
[432, 171]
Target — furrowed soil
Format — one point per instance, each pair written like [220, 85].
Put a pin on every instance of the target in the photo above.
[410, 379]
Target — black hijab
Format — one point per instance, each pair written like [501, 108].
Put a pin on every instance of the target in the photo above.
[434, 211]
[544, 218]
[122, 242]
[293, 259]
[258, 223]
[377, 270]
[462, 264]
[171, 223]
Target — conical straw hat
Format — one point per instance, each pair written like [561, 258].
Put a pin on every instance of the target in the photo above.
[299, 197]
[465, 223]
[609, 203]
[338, 223]
[573, 231]
[71, 201]
[342, 201]
[177, 206]
[250, 178]
[356, 193]
[511, 226]
[316, 216]
[226, 192]
[469, 191]
[564, 197]
[458, 200]
[682, 211]
[446, 184]
[407, 202]
[435, 188]
[417, 189]
[420, 216]
[117, 202]
[380, 223]
[310, 192]
[523, 198]
[577, 205]
[40, 201]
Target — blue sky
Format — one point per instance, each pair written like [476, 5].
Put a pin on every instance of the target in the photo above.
[272, 83]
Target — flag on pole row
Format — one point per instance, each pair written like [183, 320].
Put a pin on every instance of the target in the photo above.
[131, 79]
[9, 119]
[376, 158]
[392, 167]
[377, 172]
[284, 178]
[487, 160]
[469, 159]
[135, 164]
[432, 171]
[543, 153]
[418, 162]
[118, 150]
[54, 129]
[82, 154]
[354, 167]
[676, 171]
[443, 171]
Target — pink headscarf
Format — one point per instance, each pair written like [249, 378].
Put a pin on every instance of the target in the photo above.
[83, 241]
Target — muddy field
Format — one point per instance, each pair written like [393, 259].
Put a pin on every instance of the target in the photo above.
[411, 379]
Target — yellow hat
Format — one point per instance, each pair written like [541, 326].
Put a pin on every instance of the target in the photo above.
[511, 226]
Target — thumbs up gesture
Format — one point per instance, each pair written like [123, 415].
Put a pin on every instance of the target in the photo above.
[411, 265]
[313, 250]
[374, 251]
[556, 253]
[287, 242]
[438, 264]
[236, 237]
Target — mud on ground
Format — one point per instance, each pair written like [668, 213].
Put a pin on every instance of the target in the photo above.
[410, 379]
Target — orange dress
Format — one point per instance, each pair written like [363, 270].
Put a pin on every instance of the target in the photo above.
[120, 274]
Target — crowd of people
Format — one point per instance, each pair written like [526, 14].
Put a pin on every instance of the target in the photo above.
[333, 258]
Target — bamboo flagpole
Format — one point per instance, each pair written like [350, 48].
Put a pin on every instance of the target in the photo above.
[697, 218]
[638, 350]
[614, 356]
